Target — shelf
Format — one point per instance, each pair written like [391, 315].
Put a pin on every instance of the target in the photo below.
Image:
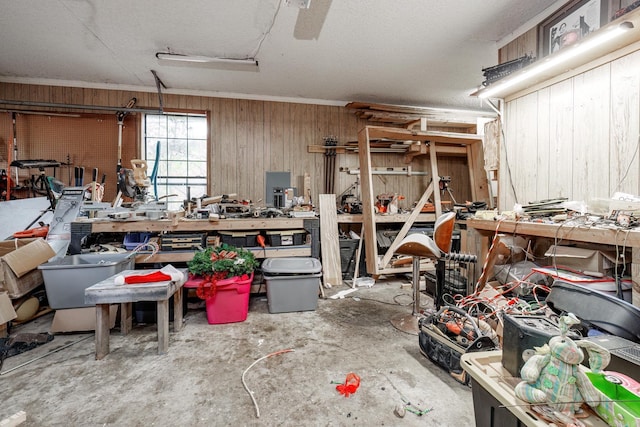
[380, 219]
[80, 228]
[577, 61]
[258, 252]
[439, 144]
[182, 224]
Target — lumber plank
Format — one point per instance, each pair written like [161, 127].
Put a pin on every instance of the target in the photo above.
[329, 244]
[14, 420]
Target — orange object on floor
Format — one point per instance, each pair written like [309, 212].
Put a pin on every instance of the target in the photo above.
[350, 385]
[33, 232]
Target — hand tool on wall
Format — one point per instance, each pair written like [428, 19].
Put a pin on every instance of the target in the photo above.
[120, 115]
[79, 176]
[330, 163]
[14, 138]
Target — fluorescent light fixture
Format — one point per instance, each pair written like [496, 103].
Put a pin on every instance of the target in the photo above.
[555, 60]
[197, 59]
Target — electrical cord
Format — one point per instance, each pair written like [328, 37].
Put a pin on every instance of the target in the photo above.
[244, 384]
[635, 153]
[506, 159]
[266, 33]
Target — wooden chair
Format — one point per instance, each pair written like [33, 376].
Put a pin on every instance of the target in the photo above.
[418, 246]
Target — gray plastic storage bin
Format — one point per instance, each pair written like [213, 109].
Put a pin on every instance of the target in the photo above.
[292, 283]
[65, 279]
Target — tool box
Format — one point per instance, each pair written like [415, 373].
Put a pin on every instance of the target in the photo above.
[180, 242]
[239, 239]
[444, 346]
[286, 237]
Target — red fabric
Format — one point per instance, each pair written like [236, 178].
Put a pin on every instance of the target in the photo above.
[350, 385]
[157, 276]
[208, 287]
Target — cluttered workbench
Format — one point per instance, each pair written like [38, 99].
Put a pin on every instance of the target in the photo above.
[82, 228]
[571, 231]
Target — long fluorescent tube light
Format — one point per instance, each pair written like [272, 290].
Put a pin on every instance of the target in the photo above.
[557, 59]
[196, 59]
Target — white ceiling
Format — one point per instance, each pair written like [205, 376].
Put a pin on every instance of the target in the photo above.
[410, 52]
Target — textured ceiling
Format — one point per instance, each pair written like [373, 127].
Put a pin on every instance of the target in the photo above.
[409, 52]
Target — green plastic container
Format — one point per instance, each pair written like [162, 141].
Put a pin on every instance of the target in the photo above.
[619, 406]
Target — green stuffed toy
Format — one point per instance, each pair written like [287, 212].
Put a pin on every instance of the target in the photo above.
[552, 376]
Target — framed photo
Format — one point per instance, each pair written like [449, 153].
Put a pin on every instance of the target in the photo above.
[571, 23]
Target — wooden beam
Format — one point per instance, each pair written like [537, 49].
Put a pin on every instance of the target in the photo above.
[407, 225]
[330, 247]
[322, 149]
[379, 132]
[435, 180]
[415, 150]
[368, 212]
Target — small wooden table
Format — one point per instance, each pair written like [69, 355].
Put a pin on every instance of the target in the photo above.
[107, 292]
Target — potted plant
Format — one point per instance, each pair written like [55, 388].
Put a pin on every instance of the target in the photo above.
[223, 276]
[219, 263]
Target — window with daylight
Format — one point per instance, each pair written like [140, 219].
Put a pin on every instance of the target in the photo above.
[178, 143]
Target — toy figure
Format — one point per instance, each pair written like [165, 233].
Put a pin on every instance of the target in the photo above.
[552, 376]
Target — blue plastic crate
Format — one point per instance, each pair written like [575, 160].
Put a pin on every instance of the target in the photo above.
[133, 239]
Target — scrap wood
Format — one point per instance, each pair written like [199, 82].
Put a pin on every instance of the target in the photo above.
[14, 420]
[330, 248]
[498, 249]
[253, 399]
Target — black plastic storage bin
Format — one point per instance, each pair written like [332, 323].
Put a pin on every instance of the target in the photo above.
[488, 411]
[146, 312]
[286, 237]
[348, 250]
[239, 239]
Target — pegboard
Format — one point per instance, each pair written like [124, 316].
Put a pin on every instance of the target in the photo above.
[87, 140]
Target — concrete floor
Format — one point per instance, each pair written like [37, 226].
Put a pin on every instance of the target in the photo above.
[199, 381]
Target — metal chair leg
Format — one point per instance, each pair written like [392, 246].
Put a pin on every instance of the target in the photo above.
[408, 323]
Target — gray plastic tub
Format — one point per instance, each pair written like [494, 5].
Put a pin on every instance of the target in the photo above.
[65, 279]
[292, 283]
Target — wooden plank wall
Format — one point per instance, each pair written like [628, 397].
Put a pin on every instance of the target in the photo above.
[578, 138]
[526, 44]
[247, 139]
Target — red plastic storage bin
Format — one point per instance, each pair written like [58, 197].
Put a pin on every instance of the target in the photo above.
[231, 301]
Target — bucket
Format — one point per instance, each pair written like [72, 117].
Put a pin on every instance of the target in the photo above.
[230, 303]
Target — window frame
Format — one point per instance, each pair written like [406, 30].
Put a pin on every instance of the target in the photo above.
[148, 146]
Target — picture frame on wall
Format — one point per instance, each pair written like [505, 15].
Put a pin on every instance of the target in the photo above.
[568, 25]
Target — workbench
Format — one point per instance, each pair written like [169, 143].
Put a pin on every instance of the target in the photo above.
[83, 227]
[107, 292]
[618, 237]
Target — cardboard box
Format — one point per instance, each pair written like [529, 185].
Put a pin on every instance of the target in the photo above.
[7, 312]
[80, 319]
[581, 259]
[19, 260]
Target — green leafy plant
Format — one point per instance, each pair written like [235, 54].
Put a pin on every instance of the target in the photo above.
[226, 260]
